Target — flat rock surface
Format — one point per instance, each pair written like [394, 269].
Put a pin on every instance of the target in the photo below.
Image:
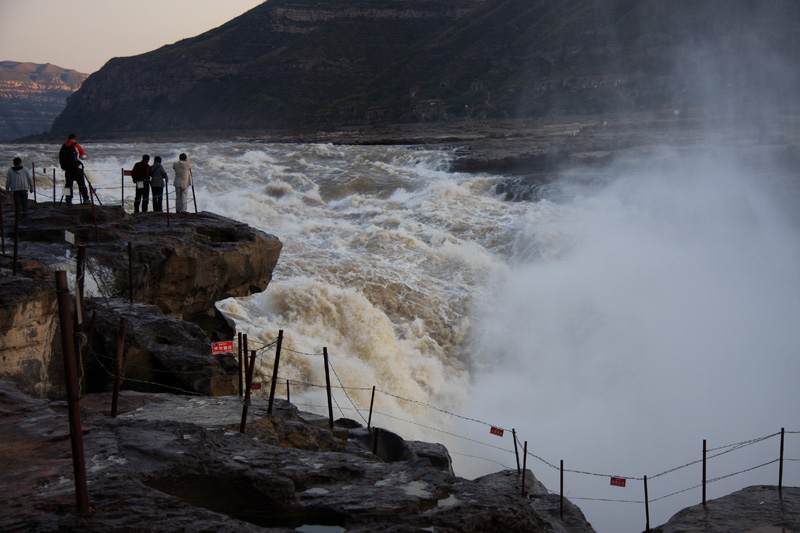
[180, 463]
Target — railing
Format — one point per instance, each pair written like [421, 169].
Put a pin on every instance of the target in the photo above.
[47, 178]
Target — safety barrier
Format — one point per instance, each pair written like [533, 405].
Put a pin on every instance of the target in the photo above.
[248, 376]
[123, 195]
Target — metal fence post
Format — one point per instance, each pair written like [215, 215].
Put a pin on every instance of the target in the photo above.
[118, 372]
[646, 507]
[524, 466]
[248, 382]
[780, 464]
[371, 403]
[275, 371]
[704, 471]
[73, 405]
[328, 386]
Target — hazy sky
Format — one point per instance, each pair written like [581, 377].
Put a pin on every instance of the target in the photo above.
[84, 34]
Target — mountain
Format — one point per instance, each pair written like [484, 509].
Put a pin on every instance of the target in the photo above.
[32, 96]
[297, 64]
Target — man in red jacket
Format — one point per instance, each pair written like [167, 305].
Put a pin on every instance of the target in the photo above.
[70, 157]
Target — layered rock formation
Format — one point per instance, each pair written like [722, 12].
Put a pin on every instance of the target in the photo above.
[182, 269]
[299, 65]
[32, 96]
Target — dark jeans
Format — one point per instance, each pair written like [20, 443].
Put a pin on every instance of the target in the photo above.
[21, 200]
[158, 196]
[142, 196]
[75, 175]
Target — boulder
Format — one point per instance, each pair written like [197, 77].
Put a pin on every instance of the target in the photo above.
[161, 353]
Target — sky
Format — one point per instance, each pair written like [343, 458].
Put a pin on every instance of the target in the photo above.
[84, 34]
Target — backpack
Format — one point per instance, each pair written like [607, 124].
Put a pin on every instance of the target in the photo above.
[67, 157]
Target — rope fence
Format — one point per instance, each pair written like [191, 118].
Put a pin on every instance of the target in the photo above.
[46, 180]
[260, 353]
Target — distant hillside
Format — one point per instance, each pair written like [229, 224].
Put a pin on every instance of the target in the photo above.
[296, 64]
[32, 96]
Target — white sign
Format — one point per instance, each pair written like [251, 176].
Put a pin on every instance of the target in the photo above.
[69, 237]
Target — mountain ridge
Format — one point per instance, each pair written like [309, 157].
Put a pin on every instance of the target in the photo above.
[307, 64]
[32, 95]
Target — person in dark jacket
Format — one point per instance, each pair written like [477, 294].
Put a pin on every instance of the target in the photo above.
[69, 158]
[141, 177]
[18, 183]
[158, 180]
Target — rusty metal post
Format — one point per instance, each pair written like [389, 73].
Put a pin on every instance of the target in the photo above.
[73, 405]
[16, 237]
[288, 394]
[118, 372]
[328, 387]
[194, 197]
[780, 464]
[375, 441]
[130, 271]
[94, 211]
[704, 472]
[371, 403]
[275, 371]
[89, 336]
[2, 226]
[524, 466]
[646, 507]
[561, 499]
[33, 168]
[248, 382]
[241, 379]
[516, 450]
[166, 194]
[81, 273]
[54, 186]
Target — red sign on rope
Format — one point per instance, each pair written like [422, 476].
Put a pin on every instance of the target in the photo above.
[255, 386]
[618, 481]
[222, 347]
[496, 431]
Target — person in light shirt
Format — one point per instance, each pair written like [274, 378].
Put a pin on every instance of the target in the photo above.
[18, 183]
[183, 180]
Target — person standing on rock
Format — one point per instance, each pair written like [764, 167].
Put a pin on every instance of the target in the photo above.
[18, 183]
[141, 177]
[158, 180]
[69, 157]
[183, 180]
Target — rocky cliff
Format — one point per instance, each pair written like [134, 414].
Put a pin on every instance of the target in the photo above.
[32, 96]
[178, 272]
[300, 64]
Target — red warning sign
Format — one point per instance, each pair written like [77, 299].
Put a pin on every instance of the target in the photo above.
[255, 386]
[496, 431]
[618, 481]
[222, 347]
